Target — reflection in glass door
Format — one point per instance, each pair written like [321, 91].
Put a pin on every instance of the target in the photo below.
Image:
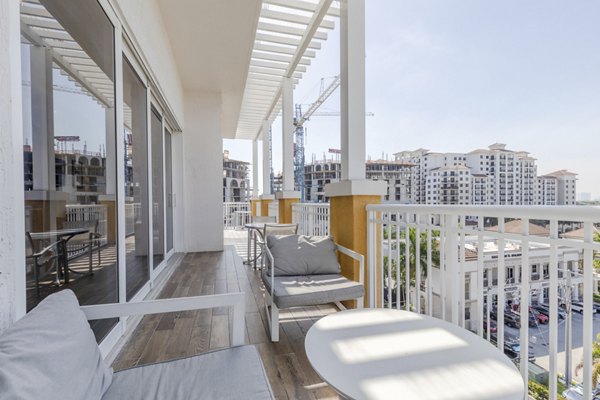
[169, 189]
[69, 153]
[136, 180]
[158, 213]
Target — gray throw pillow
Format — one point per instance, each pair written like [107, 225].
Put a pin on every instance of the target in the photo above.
[303, 255]
[51, 353]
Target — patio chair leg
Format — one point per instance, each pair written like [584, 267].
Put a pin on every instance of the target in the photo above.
[274, 323]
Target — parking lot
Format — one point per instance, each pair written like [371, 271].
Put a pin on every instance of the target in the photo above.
[539, 335]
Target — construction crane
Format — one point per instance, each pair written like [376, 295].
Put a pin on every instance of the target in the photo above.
[299, 120]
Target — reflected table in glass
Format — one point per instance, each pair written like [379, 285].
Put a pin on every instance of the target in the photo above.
[384, 353]
[64, 235]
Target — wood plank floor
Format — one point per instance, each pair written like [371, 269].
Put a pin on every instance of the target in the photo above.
[168, 336]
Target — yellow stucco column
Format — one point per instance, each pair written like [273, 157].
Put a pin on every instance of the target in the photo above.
[255, 209]
[265, 200]
[286, 199]
[110, 202]
[348, 222]
[45, 209]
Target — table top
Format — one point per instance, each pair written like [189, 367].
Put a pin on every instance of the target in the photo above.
[383, 353]
[58, 233]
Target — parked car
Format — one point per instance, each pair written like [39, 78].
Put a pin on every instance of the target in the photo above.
[541, 318]
[544, 309]
[512, 319]
[577, 306]
[493, 326]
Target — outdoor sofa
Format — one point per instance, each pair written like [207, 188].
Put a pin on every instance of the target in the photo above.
[51, 353]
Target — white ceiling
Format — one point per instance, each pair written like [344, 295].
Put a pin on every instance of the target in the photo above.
[212, 42]
[242, 49]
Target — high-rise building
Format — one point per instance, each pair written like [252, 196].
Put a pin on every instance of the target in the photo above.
[495, 175]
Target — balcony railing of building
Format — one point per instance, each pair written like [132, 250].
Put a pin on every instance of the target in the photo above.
[312, 218]
[433, 248]
[235, 214]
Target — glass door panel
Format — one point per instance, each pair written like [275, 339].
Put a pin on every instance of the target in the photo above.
[158, 213]
[136, 180]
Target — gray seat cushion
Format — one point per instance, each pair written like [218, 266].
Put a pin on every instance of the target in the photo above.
[297, 291]
[295, 255]
[233, 373]
[51, 353]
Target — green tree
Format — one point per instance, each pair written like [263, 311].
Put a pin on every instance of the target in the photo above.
[595, 361]
[412, 258]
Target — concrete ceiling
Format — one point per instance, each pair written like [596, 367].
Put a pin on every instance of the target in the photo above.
[212, 43]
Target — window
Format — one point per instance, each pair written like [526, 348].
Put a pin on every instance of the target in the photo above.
[70, 154]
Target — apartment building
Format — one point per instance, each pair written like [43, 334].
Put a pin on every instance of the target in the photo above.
[236, 183]
[399, 176]
[495, 175]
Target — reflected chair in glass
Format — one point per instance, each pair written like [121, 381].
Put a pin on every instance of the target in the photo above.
[42, 262]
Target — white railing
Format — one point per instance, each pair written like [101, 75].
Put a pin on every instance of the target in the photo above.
[132, 214]
[235, 214]
[93, 217]
[442, 256]
[312, 218]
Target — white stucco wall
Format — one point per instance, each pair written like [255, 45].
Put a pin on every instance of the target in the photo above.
[12, 233]
[142, 19]
[203, 172]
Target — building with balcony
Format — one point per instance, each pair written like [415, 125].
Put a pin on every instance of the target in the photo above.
[236, 182]
[500, 176]
[398, 176]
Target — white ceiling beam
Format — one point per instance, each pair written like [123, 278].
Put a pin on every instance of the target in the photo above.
[63, 44]
[35, 10]
[274, 65]
[41, 22]
[259, 55]
[268, 71]
[52, 34]
[295, 18]
[302, 6]
[63, 63]
[282, 49]
[288, 30]
[290, 41]
[315, 21]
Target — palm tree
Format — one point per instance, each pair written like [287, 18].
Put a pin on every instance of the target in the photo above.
[400, 245]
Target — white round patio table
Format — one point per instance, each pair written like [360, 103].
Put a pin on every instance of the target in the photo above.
[392, 354]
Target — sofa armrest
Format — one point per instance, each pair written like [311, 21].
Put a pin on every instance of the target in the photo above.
[235, 300]
[361, 267]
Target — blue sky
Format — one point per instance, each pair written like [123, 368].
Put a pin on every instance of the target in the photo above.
[463, 74]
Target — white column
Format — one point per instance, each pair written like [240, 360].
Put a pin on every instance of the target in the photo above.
[254, 168]
[12, 232]
[203, 172]
[266, 154]
[42, 119]
[352, 89]
[287, 125]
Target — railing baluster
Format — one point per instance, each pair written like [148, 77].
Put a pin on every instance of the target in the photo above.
[418, 264]
[501, 281]
[588, 307]
[406, 260]
[480, 269]
[524, 301]
[429, 268]
[553, 322]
